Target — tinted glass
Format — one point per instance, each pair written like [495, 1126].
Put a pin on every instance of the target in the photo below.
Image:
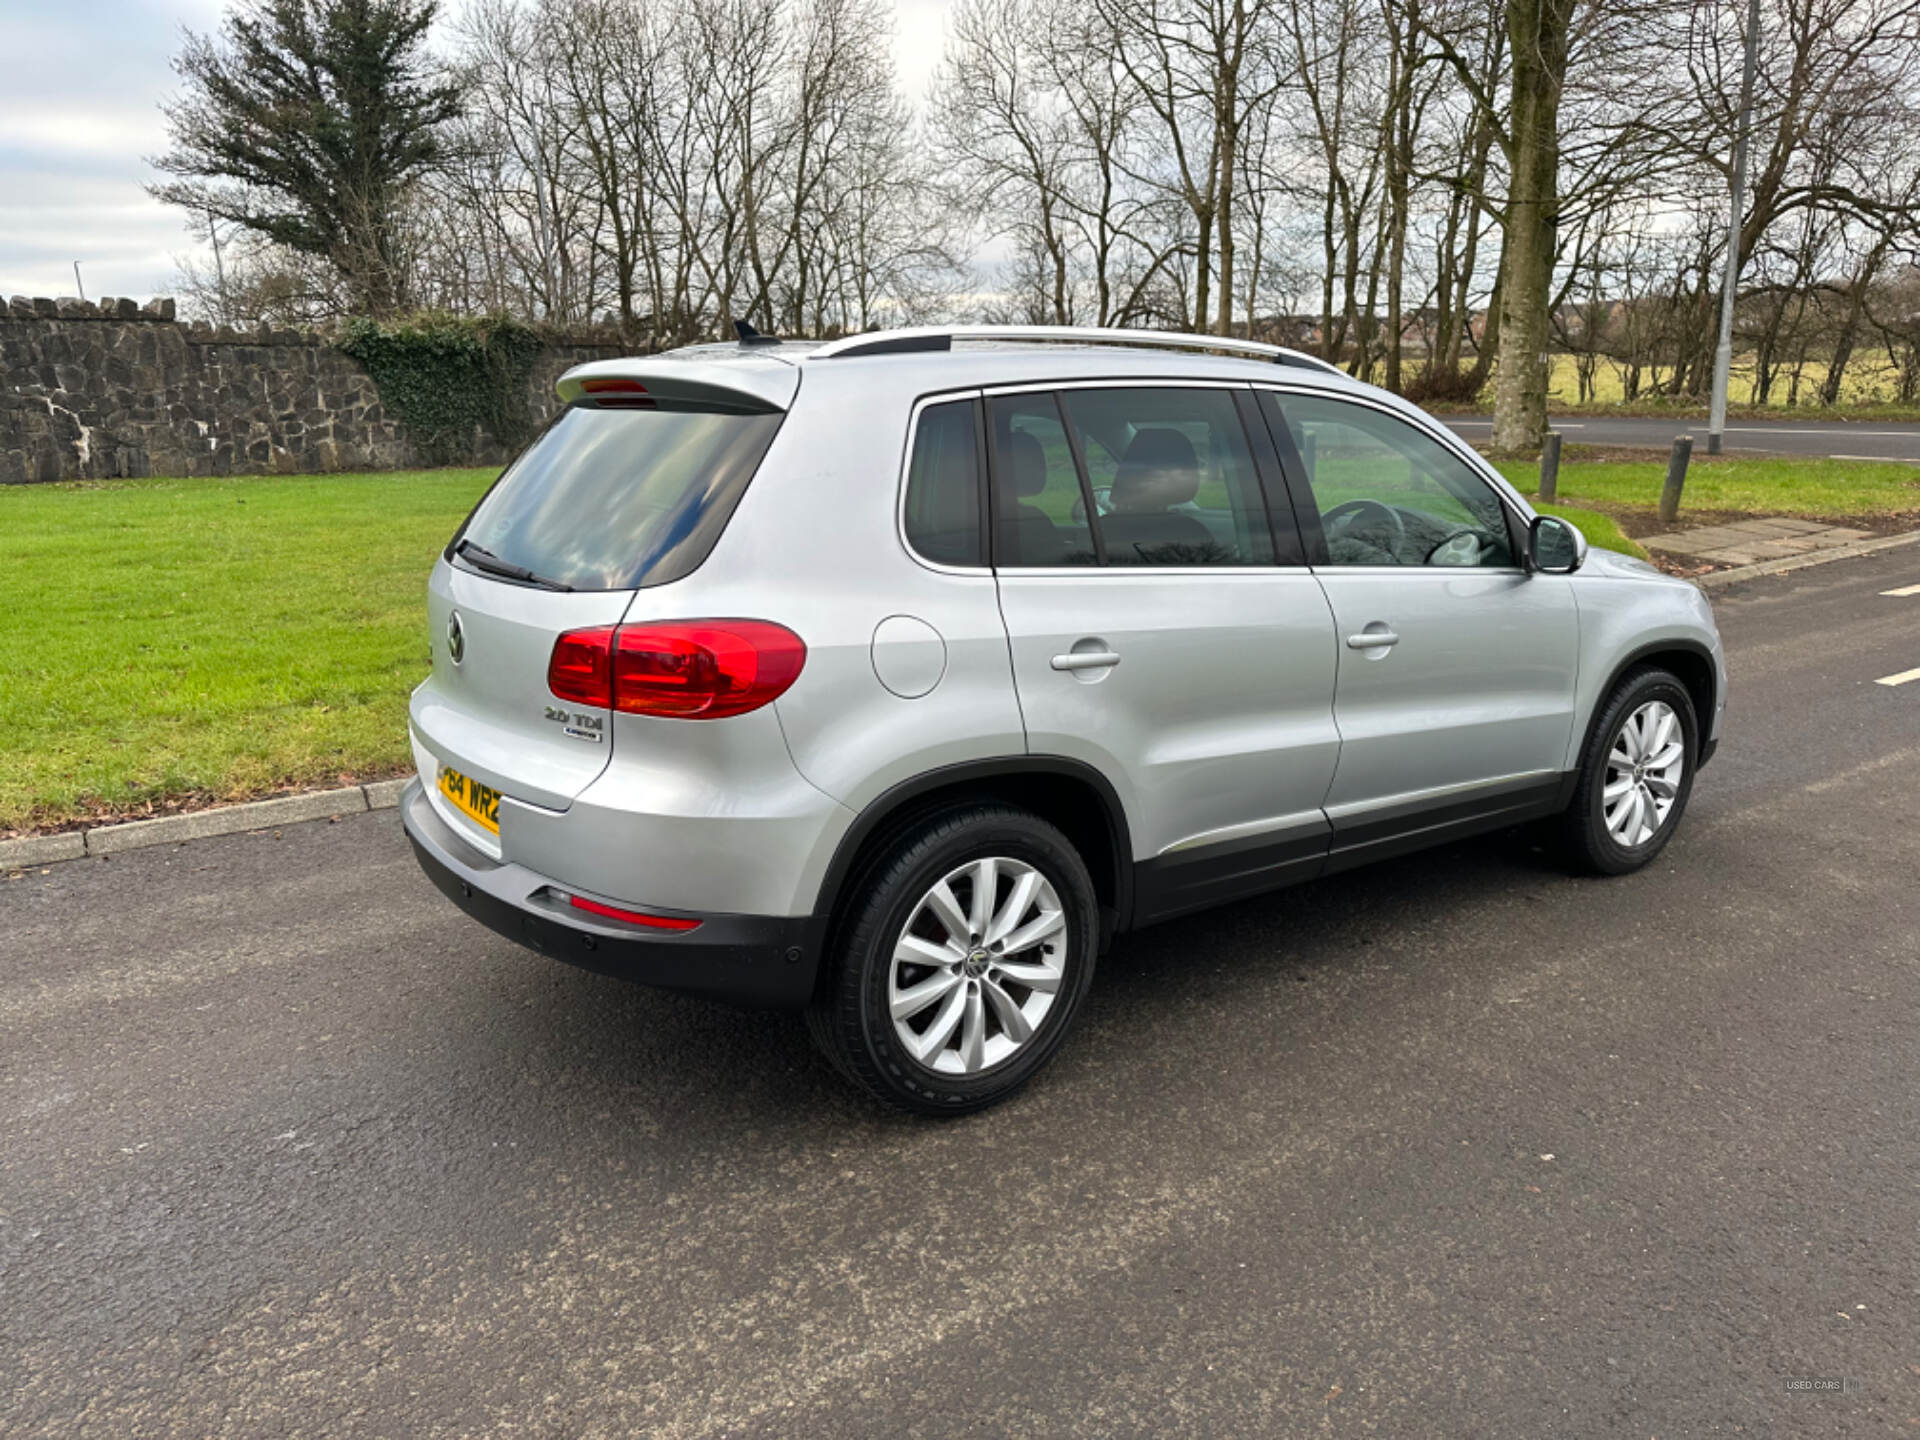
[616, 499]
[943, 486]
[1389, 494]
[1173, 480]
[1043, 519]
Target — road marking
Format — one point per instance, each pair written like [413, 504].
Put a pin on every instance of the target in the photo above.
[1902, 678]
[1903, 591]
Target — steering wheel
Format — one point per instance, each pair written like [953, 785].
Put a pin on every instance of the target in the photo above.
[1461, 547]
[1341, 517]
[1102, 498]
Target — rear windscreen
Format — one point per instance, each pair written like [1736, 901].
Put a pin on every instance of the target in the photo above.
[614, 499]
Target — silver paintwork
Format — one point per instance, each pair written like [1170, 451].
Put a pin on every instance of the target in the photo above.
[985, 952]
[1645, 764]
[1236, 708]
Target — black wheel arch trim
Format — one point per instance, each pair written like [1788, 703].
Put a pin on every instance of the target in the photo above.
[899, 800]
[1639, 656]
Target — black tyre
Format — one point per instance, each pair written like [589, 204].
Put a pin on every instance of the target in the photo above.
[1635, 775]
[960, 962]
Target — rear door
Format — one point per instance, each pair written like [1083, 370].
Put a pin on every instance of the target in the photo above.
[619, 496]
[1456, 665]
[1164, 631]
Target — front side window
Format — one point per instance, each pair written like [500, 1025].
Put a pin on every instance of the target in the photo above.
[943, 486]
[1172, 477]
[1387, 493]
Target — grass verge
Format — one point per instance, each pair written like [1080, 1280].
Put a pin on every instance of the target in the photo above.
[1817, 488]
[175, 641]
[1602, 531]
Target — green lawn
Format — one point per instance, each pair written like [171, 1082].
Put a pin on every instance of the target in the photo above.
[173, 641]
[206, 639]
[1836, 489]
[1601, 530]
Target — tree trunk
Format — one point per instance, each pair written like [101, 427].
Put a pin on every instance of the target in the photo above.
[1538, 32]
[1850, 326]
[1228, 157]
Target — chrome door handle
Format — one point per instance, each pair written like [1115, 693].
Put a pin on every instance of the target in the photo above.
[1372, 640]
[1085, 660]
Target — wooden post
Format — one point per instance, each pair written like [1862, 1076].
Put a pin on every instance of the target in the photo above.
[1676, 477]
[1550, 467]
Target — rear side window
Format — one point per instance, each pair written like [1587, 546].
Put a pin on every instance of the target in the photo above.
[616, 499]
[1172, 476]
[943, 486]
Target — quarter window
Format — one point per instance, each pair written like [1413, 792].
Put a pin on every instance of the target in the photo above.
[943, 486]
[1387, 493]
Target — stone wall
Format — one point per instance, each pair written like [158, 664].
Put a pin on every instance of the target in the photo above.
[90, 391]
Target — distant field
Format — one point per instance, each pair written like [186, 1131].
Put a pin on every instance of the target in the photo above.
[1870, 380]
[1869, 391]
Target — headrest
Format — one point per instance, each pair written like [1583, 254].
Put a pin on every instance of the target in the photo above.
[1026, 463]
[1158, 471]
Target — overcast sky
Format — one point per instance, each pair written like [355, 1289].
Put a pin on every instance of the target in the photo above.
[79, 116]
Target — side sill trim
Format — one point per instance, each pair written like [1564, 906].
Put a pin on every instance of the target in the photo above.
[1360, 816]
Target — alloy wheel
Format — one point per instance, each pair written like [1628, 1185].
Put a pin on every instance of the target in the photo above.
[978, 965]
[1644, 769]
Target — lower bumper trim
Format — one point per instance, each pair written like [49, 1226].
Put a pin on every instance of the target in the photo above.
[758, 960]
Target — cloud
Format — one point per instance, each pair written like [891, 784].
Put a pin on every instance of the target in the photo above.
[80, 117]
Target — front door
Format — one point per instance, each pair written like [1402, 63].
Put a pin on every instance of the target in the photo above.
[1157, 637]
[1456, 679]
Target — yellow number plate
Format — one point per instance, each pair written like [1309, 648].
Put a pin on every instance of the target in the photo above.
[471, 798]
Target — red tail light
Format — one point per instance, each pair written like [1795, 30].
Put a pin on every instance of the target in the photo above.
[685, 669]
[581, 668]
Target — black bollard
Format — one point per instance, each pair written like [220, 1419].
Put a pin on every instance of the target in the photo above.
[1676, 477]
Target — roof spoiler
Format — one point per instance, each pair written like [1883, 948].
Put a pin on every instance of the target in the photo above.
[748, 386]
[925, 338]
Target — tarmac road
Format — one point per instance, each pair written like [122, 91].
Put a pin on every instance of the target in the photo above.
[1845, 440]
[1453, 1146]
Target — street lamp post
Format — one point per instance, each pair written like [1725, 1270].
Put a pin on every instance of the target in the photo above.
[1723, 353]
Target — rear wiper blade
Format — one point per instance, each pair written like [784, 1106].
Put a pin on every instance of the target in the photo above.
[482, 558]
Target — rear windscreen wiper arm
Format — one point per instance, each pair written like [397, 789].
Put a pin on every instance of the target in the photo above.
[482, 558]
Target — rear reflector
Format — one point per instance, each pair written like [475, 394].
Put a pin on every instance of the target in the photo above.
[632, 917]
[681, 669]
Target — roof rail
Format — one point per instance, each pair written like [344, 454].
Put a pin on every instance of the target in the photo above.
[941, 337]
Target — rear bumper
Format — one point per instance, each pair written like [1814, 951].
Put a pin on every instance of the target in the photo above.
[762, 960]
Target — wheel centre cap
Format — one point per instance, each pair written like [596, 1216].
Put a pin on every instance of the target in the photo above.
[976, 962]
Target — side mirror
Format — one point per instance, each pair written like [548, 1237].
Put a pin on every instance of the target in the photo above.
[1554, 546]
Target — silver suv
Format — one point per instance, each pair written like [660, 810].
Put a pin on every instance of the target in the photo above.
[891, 678]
